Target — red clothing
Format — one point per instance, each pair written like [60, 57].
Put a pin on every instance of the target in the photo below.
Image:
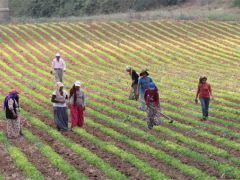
[77, 116]
[151, 96]
[204, 90]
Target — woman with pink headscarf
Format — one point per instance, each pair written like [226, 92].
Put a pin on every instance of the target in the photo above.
[60, 100]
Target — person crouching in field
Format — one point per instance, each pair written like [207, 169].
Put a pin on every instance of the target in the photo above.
[204, 93]
[77, 105]
[60, 100]
[143, 84]
[11, 107]
[151, 97]
[134, 76]
[58, 67]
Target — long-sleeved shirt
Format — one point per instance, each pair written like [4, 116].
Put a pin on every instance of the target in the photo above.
[81, 99]
[144, 84]
[58, 64]
[204, 90]
[134, 77]
[151, 96]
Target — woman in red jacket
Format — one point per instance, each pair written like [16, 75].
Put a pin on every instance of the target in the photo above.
[204, 93]
[151, 97]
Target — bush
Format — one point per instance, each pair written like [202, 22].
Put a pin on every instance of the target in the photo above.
[62, 8]
[237, 3]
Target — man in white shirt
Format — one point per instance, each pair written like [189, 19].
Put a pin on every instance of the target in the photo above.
[58, 67]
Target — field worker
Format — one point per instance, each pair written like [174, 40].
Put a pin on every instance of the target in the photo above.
[77, 105]
[134, 85]
[143, 84]
[204, 93]
[11, 107]
[58, 67]
[60, 100]
[151, 97]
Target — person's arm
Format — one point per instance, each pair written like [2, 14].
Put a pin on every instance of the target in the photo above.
[64, 65]
[197, 94]
[11, 108]
[54, 99]
[151, 79]
[53, 64]
[198, 91]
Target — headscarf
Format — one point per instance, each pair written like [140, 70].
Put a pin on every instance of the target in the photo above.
[10, 95]
[58, 56]
[58, 86]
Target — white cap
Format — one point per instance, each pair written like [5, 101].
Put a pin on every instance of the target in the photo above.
[128, 68]
[58, 55]
[77, 84]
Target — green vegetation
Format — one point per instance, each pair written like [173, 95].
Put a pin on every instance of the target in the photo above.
[96, 54]
[56, 8]
[237, 3]
[20, 159]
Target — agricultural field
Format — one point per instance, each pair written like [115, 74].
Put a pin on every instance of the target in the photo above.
[115, 143]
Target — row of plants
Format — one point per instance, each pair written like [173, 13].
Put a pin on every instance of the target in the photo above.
[109, 147]
[20, 160]
[70, 171]
[143, 166]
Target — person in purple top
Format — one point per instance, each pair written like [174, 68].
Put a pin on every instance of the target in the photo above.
[11, 107]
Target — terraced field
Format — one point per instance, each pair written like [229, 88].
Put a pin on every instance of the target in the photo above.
[115, 143]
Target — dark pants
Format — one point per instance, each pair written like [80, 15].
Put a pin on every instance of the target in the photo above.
[205, 106]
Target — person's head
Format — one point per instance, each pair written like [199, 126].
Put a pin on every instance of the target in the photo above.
[202, 79]
[60, 86]
[128, 69]
[77, 85]
[144, 73]
[58, 56]
[152, 86]
[14, 93]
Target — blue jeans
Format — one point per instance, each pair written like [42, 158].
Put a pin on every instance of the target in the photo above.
[205, 106]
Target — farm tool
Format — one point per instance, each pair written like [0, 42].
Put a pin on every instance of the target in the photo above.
[171, 120]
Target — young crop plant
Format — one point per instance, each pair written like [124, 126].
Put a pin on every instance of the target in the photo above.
[20, 160]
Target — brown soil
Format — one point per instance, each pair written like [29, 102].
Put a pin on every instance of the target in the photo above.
[7, 166]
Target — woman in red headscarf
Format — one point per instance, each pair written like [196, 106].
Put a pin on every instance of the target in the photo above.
[11, 107]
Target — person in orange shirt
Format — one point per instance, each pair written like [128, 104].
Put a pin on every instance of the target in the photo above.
[204, 93]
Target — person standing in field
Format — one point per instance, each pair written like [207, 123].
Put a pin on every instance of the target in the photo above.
[204, 93]
[134, 76]
[60, 100]
[11, 107]
[152, 101]
[143, 84]
[77, 105]
[58, 67]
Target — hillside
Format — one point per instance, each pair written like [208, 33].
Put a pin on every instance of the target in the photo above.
[115, 142]
[223, 10]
